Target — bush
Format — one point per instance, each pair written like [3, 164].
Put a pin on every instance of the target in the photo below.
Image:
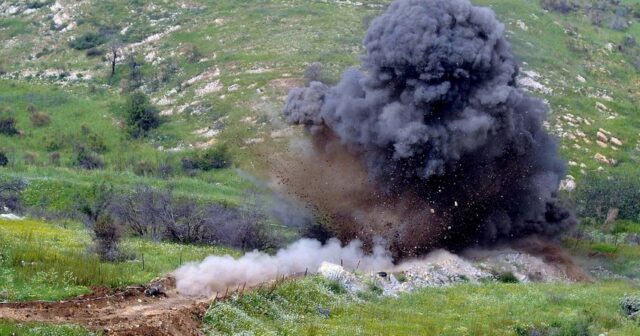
[143, 168]
[4, 161]
[598, 193]
[630, 307]
[8, 125]
[94, 52]
[192, 53]
[86, 159]
[216, 157]
[618, 23]
[314, 72]
[10, 192]
[54, 159]
[629, 41]
[30, 158]
[141, 116]
[87, 41]
[95, 203]
[160, 215]
[107, 236]
[96, 143]
[562, 6]
[507, 277]
[39, 119]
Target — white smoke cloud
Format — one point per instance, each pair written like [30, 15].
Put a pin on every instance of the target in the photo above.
[219, 273]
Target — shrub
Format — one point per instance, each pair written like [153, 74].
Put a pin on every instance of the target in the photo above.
[216, 157]
[192, 53]
[141, 116]
[35, 4]
[30, 158]
[54, 143]
[630, 307]
[160, 215]
[87, 40]
[39, 119]
[107, 236]
[134, 80]
[314, 72]
[598, 193]
[562, 6]
[189, 164]
[86, 159]
[629, 41]
[54, 159]
[8, 125]
[165, 170]
[4, 161]
[596, 16]
[94, 52]
[143, 168]
[96, 143]
[10, 192]
[507, 277]
[618, 23]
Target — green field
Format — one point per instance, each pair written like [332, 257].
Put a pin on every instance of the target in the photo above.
[487, 309]
[51, 261]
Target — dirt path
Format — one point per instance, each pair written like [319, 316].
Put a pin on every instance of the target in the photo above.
[120, 312]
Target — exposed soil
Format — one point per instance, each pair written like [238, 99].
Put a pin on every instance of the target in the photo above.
[120, 312]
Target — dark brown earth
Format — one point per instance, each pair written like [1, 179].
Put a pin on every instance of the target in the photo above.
[122, 312]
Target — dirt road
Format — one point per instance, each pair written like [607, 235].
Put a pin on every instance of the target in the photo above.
[120, 312]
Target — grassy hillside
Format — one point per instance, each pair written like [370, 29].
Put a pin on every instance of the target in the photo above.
[50, 262]
[217, 73]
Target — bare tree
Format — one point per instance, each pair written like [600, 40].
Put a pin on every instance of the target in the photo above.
[115, 46]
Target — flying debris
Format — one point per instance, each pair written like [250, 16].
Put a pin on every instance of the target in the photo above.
[433, 119]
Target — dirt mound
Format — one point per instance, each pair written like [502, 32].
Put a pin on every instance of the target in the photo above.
[120, 312]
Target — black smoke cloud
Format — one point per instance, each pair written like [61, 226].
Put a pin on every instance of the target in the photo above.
[435, 112]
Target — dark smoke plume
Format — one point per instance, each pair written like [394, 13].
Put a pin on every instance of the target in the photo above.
[431, 144]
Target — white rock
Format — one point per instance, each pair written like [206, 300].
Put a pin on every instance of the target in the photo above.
[11, 216]
[616, 141]
[522, 25]
[601, 158]
[567, 185]
[602, 107]
[602, 137]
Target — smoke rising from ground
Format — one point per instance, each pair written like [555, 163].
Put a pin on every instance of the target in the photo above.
[219, 273]
[431, 144]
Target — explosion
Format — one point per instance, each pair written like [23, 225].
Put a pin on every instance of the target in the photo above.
[431, 144]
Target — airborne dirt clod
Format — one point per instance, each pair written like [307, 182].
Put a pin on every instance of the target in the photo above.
[124, 312]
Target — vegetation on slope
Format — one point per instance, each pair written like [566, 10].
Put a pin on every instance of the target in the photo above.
[53, 261]
[301, 308]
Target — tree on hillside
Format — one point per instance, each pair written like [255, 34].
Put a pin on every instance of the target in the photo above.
[114, 49]
[141, 115]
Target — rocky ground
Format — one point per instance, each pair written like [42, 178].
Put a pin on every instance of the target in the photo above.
[442, 268]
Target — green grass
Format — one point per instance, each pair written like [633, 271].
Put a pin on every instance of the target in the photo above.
[39, 329]
[280, 37]
[488, 309]
[626, 226]
[614, 255]
[49, 262]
